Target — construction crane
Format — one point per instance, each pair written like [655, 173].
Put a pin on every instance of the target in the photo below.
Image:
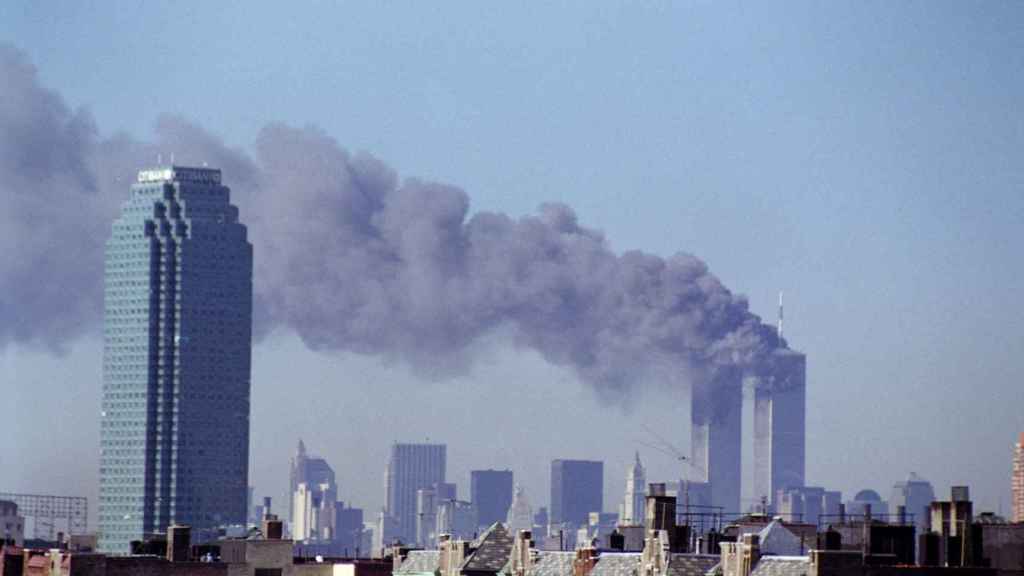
[669, 449]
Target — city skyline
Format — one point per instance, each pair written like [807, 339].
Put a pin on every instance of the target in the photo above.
[861, 210]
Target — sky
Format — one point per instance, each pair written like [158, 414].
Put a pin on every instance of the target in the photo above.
[864, 157]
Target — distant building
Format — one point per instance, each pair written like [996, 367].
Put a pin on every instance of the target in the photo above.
[349, 529]
[12, 526]
[491, 492]
[915, 495]
[411, 467]
[456, 518]
[313, 472]
[577, 489]
[177, 339]
[864, 501]
[631, 511]
[780, 425]
[1018, 480]
[519, 515]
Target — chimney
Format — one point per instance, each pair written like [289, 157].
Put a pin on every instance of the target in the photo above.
[586, 559]
[750, 552]
[266, 506]
[179, 542]
[273, 529]
[660, 513]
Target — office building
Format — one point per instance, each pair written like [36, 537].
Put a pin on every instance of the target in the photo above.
[716, 416]
[177, 340]
[577, 489]
[411, 467]
[780, 425]
[915, 495]
[1018, 480]
[491, 492]
[321, 490]
[631, 511]
[519, 515]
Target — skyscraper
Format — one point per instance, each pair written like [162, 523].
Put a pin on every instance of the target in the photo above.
[716, 416]
[176, 360]
[916, 496]
[491, 492]
[1018, 480]
[316, 474]
[577, 489]
[632, 512]
[780, 425]
[410, 468]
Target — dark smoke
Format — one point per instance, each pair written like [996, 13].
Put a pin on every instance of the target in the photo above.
[350, 257]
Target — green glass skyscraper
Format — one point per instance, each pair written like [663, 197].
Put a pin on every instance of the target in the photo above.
[176, 363]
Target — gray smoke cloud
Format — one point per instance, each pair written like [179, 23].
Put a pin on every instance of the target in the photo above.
[351, 257]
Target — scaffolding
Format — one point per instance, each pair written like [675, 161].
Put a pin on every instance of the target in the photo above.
[52, 514]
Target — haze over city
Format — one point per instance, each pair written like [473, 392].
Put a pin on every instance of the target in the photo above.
[864, 159]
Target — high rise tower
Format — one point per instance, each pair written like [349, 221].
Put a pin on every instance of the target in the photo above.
[411, 468]
[491, 491]
[577, 489]
[1018, 480]
[176, 359]
[780, 425]
[632, 513]
[716, 416]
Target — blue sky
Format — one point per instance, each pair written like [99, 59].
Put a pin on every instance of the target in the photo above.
[864, 157]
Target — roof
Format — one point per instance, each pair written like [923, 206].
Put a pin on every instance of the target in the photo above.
[616, 564]
[782, 566]
[778, 540]
[420, 561]
[691, 564]
[552, 563]
[493, 549]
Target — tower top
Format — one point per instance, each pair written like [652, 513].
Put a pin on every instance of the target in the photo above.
[180, 174]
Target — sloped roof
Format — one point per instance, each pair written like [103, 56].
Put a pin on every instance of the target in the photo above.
[691, 564]
[782, 566]
[616, 564]
[420, 561]
[552, 563]
[778, 540]
[493, 549]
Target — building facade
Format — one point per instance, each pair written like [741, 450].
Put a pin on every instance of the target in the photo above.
[915, 495]
[1018, 480]
[491, 492]
[780, 424]
[12, 526]
[176, 361]
[631, 512]
[716, 417]
[577, 489]
[313, 491]
[411, 467]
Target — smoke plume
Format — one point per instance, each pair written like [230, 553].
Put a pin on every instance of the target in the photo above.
[351, 257]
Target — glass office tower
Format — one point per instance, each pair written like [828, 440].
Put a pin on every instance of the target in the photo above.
[176, 362]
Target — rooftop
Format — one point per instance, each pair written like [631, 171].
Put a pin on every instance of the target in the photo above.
[180, 174]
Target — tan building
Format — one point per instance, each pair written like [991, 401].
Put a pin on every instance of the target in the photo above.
[1018, 480]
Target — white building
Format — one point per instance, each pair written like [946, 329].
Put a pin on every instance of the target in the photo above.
[631, 511]
[520, 514]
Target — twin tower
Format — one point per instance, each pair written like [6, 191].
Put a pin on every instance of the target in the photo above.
[779, 428]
